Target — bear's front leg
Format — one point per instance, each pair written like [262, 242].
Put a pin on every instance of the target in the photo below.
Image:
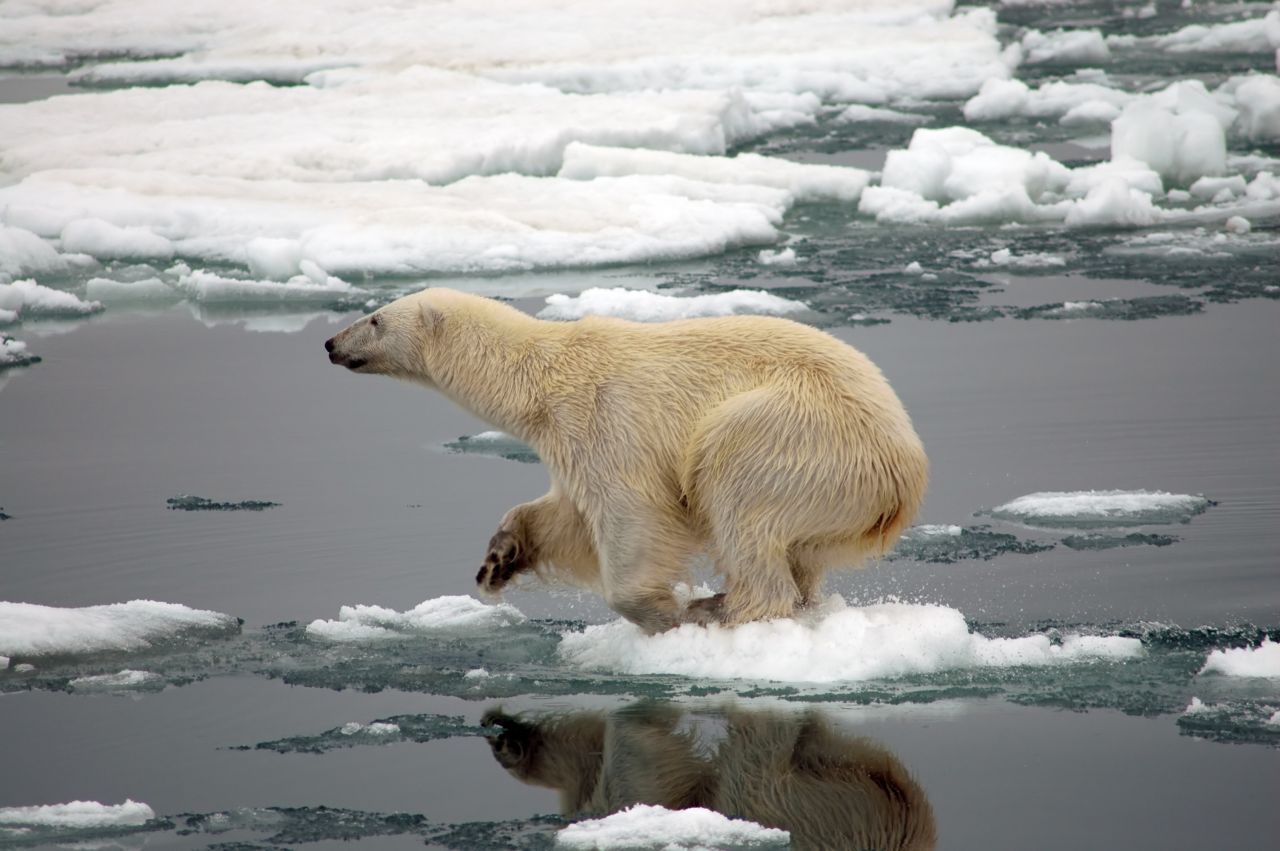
[545, 533]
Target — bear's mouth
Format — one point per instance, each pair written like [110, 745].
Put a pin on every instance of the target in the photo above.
[352, 364]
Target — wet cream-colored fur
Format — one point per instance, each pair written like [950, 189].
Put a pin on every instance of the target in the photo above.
[770, 446]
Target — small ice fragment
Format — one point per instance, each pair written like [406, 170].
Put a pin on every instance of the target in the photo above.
[476, 674]
[913, 268]
[496, 443]
[1260, 661]
[1274, 720]
[4, 662]
[441, 614]
[1087, 509]
[1239, 225]
[126, 679]
[644, 826]
[1195, 707]
[23, 668]
[785, 257]
[14, 353]
[30, 300]
[78, 814]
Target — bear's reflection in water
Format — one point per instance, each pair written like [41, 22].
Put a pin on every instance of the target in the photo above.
[793, 771]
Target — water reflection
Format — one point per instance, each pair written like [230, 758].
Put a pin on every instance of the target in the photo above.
[792, 770]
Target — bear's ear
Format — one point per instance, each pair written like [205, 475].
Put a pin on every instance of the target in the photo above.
[432, 318]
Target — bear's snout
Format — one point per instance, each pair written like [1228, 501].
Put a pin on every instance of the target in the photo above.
[328, 345]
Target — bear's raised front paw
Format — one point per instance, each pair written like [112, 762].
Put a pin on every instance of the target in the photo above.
[705, 610]
[506, 557]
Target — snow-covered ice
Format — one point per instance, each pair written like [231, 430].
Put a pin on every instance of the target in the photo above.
[1073, 46]
[28, 630]
[1260, 661]
[1088, 509]
[376, 728]
[496, 443]
[783, 257]
[440, 614]
[837, 643]
[14, 353]
[644, 826]
[78, 814]
[120, 681]
[31, 300]
[642, 306]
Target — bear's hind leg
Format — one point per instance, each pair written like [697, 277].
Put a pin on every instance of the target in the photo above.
[642, 557]
[545, 533]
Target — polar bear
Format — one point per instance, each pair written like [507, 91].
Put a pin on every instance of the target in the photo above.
[767, 445]
[790, 770]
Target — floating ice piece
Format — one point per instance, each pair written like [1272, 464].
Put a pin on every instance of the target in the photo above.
[861, 114]
[834, 644]
[376, 728]
[1113, 202]
[186, 502]
[1238, 225]
[785, 257]
[371, 623]
[78, 814]
[14, 353]
[31, 631]
[1260, 35]
[1029, 260]
[1260, 661]
[949, 544]
[805, 183]
[1246, 721]
[151, 289]
[496, 443]
[24, 253]
[1258, 99]
[1181, 146]
[398, 728]
[1073, 46]
[642, 306]
[207, 287]
[1000, 99]
[643, 826]
[107, 241]
[30, 300]
[125, 680]
[1091, 509]
[1110, 542]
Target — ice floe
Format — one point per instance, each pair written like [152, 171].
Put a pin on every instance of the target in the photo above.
[373, 623]
[1260, 661]
[644, 826]
[1089, 509]
[495, 443]
[30, 300]
[1066, 46]
[126, 680]
[1257, 35]
[24, 253]
[784, 257]
[78, 814]
[14, 353]
[186, 502]
[642, 306]
[32, 631]
[837, 643]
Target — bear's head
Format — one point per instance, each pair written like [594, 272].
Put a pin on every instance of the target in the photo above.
[391, 341]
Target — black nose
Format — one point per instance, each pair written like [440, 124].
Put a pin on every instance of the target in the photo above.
[328, 345]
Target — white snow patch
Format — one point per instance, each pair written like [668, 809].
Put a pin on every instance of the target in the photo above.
[837, 643]
[78, 814]
[1260, 661]
[642, 306]
[30, 630]
[440, 614]
[805, 183]
[29, 300]
[785, 257]
[377, 728]
[1101, 507]
[643, 826]
[24, 253]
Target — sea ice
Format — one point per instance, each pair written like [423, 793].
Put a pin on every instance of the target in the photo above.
[14, 353]
[1073, 46]
[78, 814]
[32, 631]
[641, 306]
[151, 289]
[1090, 509]
[643, 826]
[785, 257]
[24, 253]
[838, 643]
[120, 681]
[1260, 661]
[1259, 35]
[441, 614]
[495, 443]
[1031, 260]
[862, 114]
[31, 300]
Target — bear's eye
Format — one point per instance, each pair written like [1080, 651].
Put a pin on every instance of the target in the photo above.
[374, 322]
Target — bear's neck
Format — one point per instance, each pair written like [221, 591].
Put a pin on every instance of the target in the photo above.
[496, 362]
